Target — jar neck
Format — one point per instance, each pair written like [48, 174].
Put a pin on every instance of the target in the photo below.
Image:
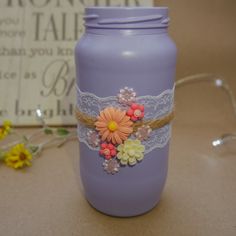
[126, 20]
[125, 32]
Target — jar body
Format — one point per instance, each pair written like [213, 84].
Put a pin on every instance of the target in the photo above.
[105, 63]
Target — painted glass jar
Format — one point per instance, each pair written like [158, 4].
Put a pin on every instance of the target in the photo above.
[125, 67]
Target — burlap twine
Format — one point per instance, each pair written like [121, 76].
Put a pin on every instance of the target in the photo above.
[154, 124]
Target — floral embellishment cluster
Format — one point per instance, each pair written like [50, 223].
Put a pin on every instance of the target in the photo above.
[120, 143]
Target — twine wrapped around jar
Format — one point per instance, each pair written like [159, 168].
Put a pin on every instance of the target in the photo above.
[89, 121]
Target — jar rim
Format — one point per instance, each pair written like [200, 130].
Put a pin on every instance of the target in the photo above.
[126, 17]
[124, 8]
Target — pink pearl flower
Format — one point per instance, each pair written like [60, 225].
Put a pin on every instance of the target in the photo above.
[143, 132]
[126, 96]
[111, 166]
[107, 150]
[92, 138]
[135, 112]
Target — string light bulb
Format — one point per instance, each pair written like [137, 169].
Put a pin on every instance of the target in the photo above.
[39, 113]
[40, 116]
[224, 139]
[219, 83]
[217, 142]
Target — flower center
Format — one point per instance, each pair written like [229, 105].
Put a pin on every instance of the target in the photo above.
[2, 130]
[106, 151]
[131, 152]
[112, 126]
[137, 112]
[22, 156]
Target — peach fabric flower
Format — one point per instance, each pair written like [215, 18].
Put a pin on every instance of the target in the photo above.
[114, 125]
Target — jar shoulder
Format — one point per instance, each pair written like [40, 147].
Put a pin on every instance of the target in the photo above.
[92, 45]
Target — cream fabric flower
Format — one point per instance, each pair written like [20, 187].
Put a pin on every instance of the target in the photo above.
[130, 152]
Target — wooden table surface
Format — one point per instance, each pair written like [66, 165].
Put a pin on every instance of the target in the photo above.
[199, 197]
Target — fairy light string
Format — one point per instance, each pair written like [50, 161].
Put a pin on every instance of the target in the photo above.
[221, 83]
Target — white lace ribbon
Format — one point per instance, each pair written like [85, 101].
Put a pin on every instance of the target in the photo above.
[155, 107]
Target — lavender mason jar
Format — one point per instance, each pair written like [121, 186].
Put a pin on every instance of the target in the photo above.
[125, 63]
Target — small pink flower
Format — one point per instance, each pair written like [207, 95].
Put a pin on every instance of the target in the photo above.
[143, 132]
[126, 96]
[135, 112]
[107, 150]
[93, 138]
[111, 166]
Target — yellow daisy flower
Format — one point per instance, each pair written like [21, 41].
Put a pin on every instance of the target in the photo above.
[18, 157]
[5, 129]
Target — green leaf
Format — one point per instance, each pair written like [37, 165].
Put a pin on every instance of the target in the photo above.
[33, 149]
[62, 131]
[48, 131]
[25, 139]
